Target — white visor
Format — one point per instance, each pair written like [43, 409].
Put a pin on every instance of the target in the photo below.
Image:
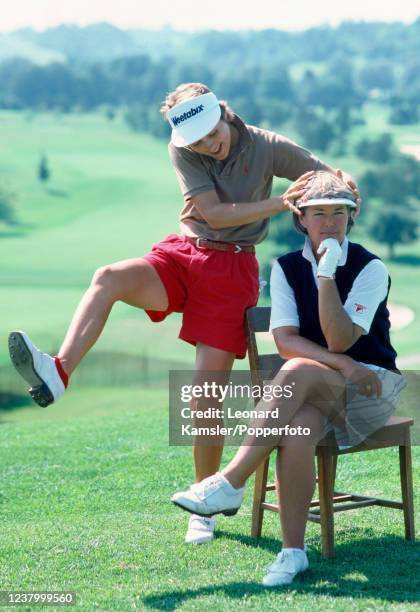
[193, 119]
[318, 201]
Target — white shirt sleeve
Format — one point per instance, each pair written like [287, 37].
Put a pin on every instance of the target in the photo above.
[283, 303]
[368, 291]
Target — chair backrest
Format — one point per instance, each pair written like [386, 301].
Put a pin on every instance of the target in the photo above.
[263, 367]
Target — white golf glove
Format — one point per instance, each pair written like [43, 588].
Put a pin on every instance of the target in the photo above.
[330, 250]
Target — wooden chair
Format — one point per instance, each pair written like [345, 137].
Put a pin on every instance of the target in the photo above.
[395, 433]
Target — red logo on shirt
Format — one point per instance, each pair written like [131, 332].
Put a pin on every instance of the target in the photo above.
[360, 307]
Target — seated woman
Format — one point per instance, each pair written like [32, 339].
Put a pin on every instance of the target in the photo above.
[330, 321]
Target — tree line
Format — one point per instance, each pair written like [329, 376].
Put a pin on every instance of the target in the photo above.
[315, 81]
[264, 74]
[263, 94]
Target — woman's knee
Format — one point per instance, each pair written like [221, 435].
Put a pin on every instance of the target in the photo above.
[133, 281]
[111, 281]
[298, 372]
[311, 376]
[104, 277]
[297, 364]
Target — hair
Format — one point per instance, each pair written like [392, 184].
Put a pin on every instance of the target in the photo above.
[324, 184]
[185, 91]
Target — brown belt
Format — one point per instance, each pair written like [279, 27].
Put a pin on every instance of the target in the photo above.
[203, 243]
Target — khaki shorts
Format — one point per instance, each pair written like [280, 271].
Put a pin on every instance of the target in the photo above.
[365, 415]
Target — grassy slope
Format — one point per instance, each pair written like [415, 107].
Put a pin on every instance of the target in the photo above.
[85, 490]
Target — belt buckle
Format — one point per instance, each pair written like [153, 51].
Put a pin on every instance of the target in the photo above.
[197, 243]
[238, 249]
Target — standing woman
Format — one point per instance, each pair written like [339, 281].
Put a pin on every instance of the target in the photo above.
[209, 273]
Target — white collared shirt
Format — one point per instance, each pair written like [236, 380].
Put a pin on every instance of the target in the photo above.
[368, 291]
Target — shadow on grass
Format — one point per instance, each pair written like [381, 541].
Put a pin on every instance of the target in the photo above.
[12, 401]
[12, 234]
[16, 230]
[406, 260]
[367, 568]
[57, 193]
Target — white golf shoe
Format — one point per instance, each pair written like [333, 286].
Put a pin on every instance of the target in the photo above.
[213, 495]
[200, 529]
[289, 562]
[37, 368]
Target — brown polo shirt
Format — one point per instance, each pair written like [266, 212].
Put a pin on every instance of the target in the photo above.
[246, 176]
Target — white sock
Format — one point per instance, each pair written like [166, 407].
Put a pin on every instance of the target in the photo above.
[229, 486]
[302, 550]
[200, 517]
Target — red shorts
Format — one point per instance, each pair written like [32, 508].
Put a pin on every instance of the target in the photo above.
[212, 289]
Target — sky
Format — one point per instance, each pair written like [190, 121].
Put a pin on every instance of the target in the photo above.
[201, 14]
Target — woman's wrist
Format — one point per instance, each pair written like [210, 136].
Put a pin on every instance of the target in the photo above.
[339, 360]
[280, 204]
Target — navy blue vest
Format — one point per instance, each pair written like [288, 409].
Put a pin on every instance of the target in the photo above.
[374, 347]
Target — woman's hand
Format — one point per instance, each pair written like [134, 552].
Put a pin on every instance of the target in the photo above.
[366, 381]
[295, 191]
[331, 252]
[352, 185]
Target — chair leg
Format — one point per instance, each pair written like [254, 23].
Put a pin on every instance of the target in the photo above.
[407, 487]
[334, 471]
[259, 497]
[325, 485]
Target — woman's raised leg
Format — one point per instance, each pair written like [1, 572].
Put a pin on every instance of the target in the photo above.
[133, 281]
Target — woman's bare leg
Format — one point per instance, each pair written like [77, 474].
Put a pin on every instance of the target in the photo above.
[133, 281]
[211, 365]
[295, 476]
[316, 384]
[136, 282]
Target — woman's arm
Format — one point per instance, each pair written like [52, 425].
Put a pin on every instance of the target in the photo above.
[290, 344]
[291, 160]
[343, 324]
[339, 330]
[231, 214]
[284, 325]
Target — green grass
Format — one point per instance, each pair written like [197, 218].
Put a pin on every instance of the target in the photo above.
[85, 491]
